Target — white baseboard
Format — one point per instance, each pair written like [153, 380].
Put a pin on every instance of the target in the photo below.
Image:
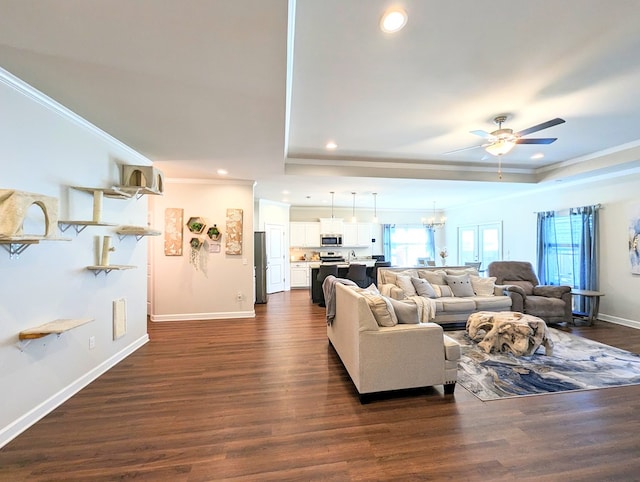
[204, 316]
[619, 321]
[11, 431]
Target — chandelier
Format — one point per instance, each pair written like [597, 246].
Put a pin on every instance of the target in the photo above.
[431, 223]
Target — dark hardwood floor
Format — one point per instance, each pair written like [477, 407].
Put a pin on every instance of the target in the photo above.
[268, 399]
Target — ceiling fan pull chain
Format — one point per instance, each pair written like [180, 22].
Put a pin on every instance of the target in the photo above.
[499, 167]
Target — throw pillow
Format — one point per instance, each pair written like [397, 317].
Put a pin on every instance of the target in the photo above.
[442, 291]
[404, 283]
[406, 311]
[483, 286]
[381, 308]
[390, 276]
[460, 285]
[423, 288]
[435, 277]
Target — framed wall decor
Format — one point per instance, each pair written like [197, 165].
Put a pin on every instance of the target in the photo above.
[173, 231]
[233, 243]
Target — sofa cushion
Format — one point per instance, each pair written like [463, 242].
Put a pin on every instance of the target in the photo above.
[381, 308]
[404, 283]
[483, 286]
[423, 288]
[453, 304]
[435, 277]
[406, 311]
[460, 285]
[492, 303]
[460, 271]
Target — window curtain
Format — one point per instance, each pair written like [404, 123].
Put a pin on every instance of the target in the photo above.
[587, 273]
[547, 253]
[386, 240]
[431, 243]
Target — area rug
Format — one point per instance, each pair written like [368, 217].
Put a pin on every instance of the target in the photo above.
[576, 364]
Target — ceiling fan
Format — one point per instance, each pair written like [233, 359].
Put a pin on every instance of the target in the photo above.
[501, 141]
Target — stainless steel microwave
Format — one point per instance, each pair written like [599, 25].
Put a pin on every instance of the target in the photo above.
[331, 240]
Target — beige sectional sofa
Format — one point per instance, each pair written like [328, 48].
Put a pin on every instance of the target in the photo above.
[453, 292]
[384, 358]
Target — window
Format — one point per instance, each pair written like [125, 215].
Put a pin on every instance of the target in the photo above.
[404, 244]
[567, 250]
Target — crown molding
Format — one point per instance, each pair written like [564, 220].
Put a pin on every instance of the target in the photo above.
[34, 94]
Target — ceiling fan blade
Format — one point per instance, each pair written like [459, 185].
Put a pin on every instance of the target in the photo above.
[539, 127]
[460, 150]
[541, 140]
[485, 134]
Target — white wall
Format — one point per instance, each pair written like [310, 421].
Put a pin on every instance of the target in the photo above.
[45, 149]
[181, 292]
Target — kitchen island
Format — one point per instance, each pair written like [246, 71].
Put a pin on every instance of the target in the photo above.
[343, 267]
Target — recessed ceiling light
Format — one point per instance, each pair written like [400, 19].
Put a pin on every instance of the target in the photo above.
[331, 145]
[393, 20]
[285, 192]
[538, 155]
[222, 172]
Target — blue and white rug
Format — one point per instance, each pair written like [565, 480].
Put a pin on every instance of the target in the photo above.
[576, 364]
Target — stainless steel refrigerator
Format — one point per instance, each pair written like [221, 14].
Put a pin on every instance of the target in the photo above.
[260, 265]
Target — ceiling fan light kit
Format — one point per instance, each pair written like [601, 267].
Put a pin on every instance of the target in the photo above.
[393, 20]
[500, 147]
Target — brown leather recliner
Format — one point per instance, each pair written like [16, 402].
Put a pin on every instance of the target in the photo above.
[551, 303]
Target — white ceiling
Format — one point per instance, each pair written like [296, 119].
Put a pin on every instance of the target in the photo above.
[197, 85]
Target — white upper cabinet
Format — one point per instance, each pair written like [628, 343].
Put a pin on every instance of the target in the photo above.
[356, 234]
[331, 226]
[303, 235]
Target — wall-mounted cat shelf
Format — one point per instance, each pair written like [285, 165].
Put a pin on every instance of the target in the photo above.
[56, 327]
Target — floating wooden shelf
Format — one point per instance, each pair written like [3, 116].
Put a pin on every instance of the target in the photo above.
[112, 192]
[137, 231]
[79, 226]
[107, 269]
[137, 191]
[56, 326]
[15, 245]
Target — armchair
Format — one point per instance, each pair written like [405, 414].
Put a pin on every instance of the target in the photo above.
[551, 303]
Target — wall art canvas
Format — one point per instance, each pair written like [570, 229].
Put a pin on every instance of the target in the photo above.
[634, 239]
[233, 243]
[173, 231]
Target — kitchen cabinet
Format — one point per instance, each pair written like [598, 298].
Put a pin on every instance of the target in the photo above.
[303, 235]
[300, 275]
[331, 225]
[356, 235]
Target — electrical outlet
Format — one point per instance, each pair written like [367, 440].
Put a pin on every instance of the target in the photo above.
[92, 342]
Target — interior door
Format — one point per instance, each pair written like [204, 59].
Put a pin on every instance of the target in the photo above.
[480, 242]
[275, 257]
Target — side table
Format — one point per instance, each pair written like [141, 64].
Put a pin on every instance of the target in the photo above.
[594, 306]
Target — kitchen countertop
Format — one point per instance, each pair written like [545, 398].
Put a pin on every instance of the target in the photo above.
[344, 264]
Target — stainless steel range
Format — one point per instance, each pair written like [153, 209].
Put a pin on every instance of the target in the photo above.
[331, 257]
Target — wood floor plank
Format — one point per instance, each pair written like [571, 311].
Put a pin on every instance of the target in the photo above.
[268, 399]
